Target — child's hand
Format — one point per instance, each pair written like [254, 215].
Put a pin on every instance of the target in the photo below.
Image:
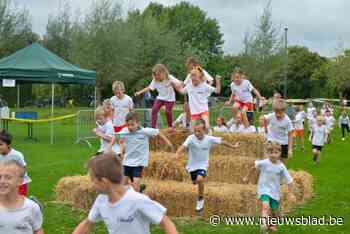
[137, 94]
[94, 130]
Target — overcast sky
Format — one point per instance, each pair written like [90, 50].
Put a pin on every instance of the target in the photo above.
[321, 25]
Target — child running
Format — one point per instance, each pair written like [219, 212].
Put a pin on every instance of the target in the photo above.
[105, 132]
[242, 93]
[198, 93]
[318, 138]
[18, 214]
[134, 143]
[280, 129]
[272, 172]
[221, 125]
[329, 121]
[8, 153]
[120, 207]
[344, 124]
[165, 84]
[198, 146]
[122, 105]
[299, 127]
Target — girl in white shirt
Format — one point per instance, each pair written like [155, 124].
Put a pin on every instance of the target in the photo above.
[262, 129]
[319, 136]
[198, 93]
[242, 124]
[165, 84]
[220, 125]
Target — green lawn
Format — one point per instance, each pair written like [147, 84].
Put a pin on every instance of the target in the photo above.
[48, 163]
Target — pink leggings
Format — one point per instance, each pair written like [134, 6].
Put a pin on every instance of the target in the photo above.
[168, 112]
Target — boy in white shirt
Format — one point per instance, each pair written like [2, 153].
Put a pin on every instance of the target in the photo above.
[134, 143]
[241, 96]
[319, 137]
[272, 172]
[105, 132]
[165, 84]
[198, 146]
[280, 129]
[344, 123]
[18, 214]
[120, 207]
[7, 153]
[122, 105]
[329, 121]
[198, 93]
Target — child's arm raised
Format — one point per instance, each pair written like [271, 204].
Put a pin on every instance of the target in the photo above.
[257, 93]
[218, 84]
[142, 91]
[229, 145]
[84, 227]
[250, 172]
[168, 225]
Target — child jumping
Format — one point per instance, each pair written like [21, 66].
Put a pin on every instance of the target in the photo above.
[198, 146]
[122, 105]
[134, 143]
[318, 138]
[272, 172]
[8, 153]
[280, 129]
[165, 84]
[344, 124]
[198, 93]
[120, 207]
[242, 93]
[105, 132]
[18, 214]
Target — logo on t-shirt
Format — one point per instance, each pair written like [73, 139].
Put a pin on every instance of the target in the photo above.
[129, 219]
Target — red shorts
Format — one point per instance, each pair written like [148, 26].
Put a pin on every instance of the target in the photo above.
[23, 190]
[299, 132]
[248, 106]
[199, 116]
[119, 128]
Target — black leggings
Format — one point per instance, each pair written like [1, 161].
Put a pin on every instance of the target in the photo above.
[343, 128]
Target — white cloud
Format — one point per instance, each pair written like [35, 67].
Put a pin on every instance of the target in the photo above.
[317, 24]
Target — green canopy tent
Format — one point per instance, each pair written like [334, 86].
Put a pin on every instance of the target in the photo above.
[36, 64]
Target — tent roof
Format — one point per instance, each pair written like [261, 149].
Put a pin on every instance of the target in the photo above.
[36, 64]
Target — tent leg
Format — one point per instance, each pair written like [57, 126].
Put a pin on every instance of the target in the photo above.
[52, 109]
[18, 95]
[95, 100]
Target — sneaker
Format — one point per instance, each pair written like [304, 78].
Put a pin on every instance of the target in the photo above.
[142, 188]
[200, 205]
[343, 139]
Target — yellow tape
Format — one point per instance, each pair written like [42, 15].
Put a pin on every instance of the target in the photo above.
[41, 120]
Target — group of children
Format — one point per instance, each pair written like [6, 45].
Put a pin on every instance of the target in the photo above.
[116, 169]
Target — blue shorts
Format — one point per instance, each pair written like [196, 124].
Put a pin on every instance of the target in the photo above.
[196, 173]
[317, 147]
[133, 172]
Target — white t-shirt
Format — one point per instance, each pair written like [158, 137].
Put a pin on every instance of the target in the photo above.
[198, 97]
[310, 112]
[133, 213]
[231, 122]
[243, 91]
[242, 129]
[121, 108]
[137, 146]
[108, 130]
[223, 129]
[24, 220]
[344, 120]
[330, 121]
[261, 131]
[198, 151]
[299, 121]
[277, 130]
[319, 134]
[183, 121]
[207, 77]
[16, 156]
[270, 178]
[165, 88]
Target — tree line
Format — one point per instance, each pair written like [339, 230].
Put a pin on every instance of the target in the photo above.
[125, 44]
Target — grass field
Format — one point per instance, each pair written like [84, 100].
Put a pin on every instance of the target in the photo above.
[48, 163]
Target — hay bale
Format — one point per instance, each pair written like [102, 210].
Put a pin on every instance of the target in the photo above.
[76, 190]
[304, 182]
[221, 168]
[252, 145]
[180, 197]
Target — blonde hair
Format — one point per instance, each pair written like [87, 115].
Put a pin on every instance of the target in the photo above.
[118, 84]
[198, 70]
[320, 118]
[106, 102]
[100, 111]
[162, 69]
[273, 145]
